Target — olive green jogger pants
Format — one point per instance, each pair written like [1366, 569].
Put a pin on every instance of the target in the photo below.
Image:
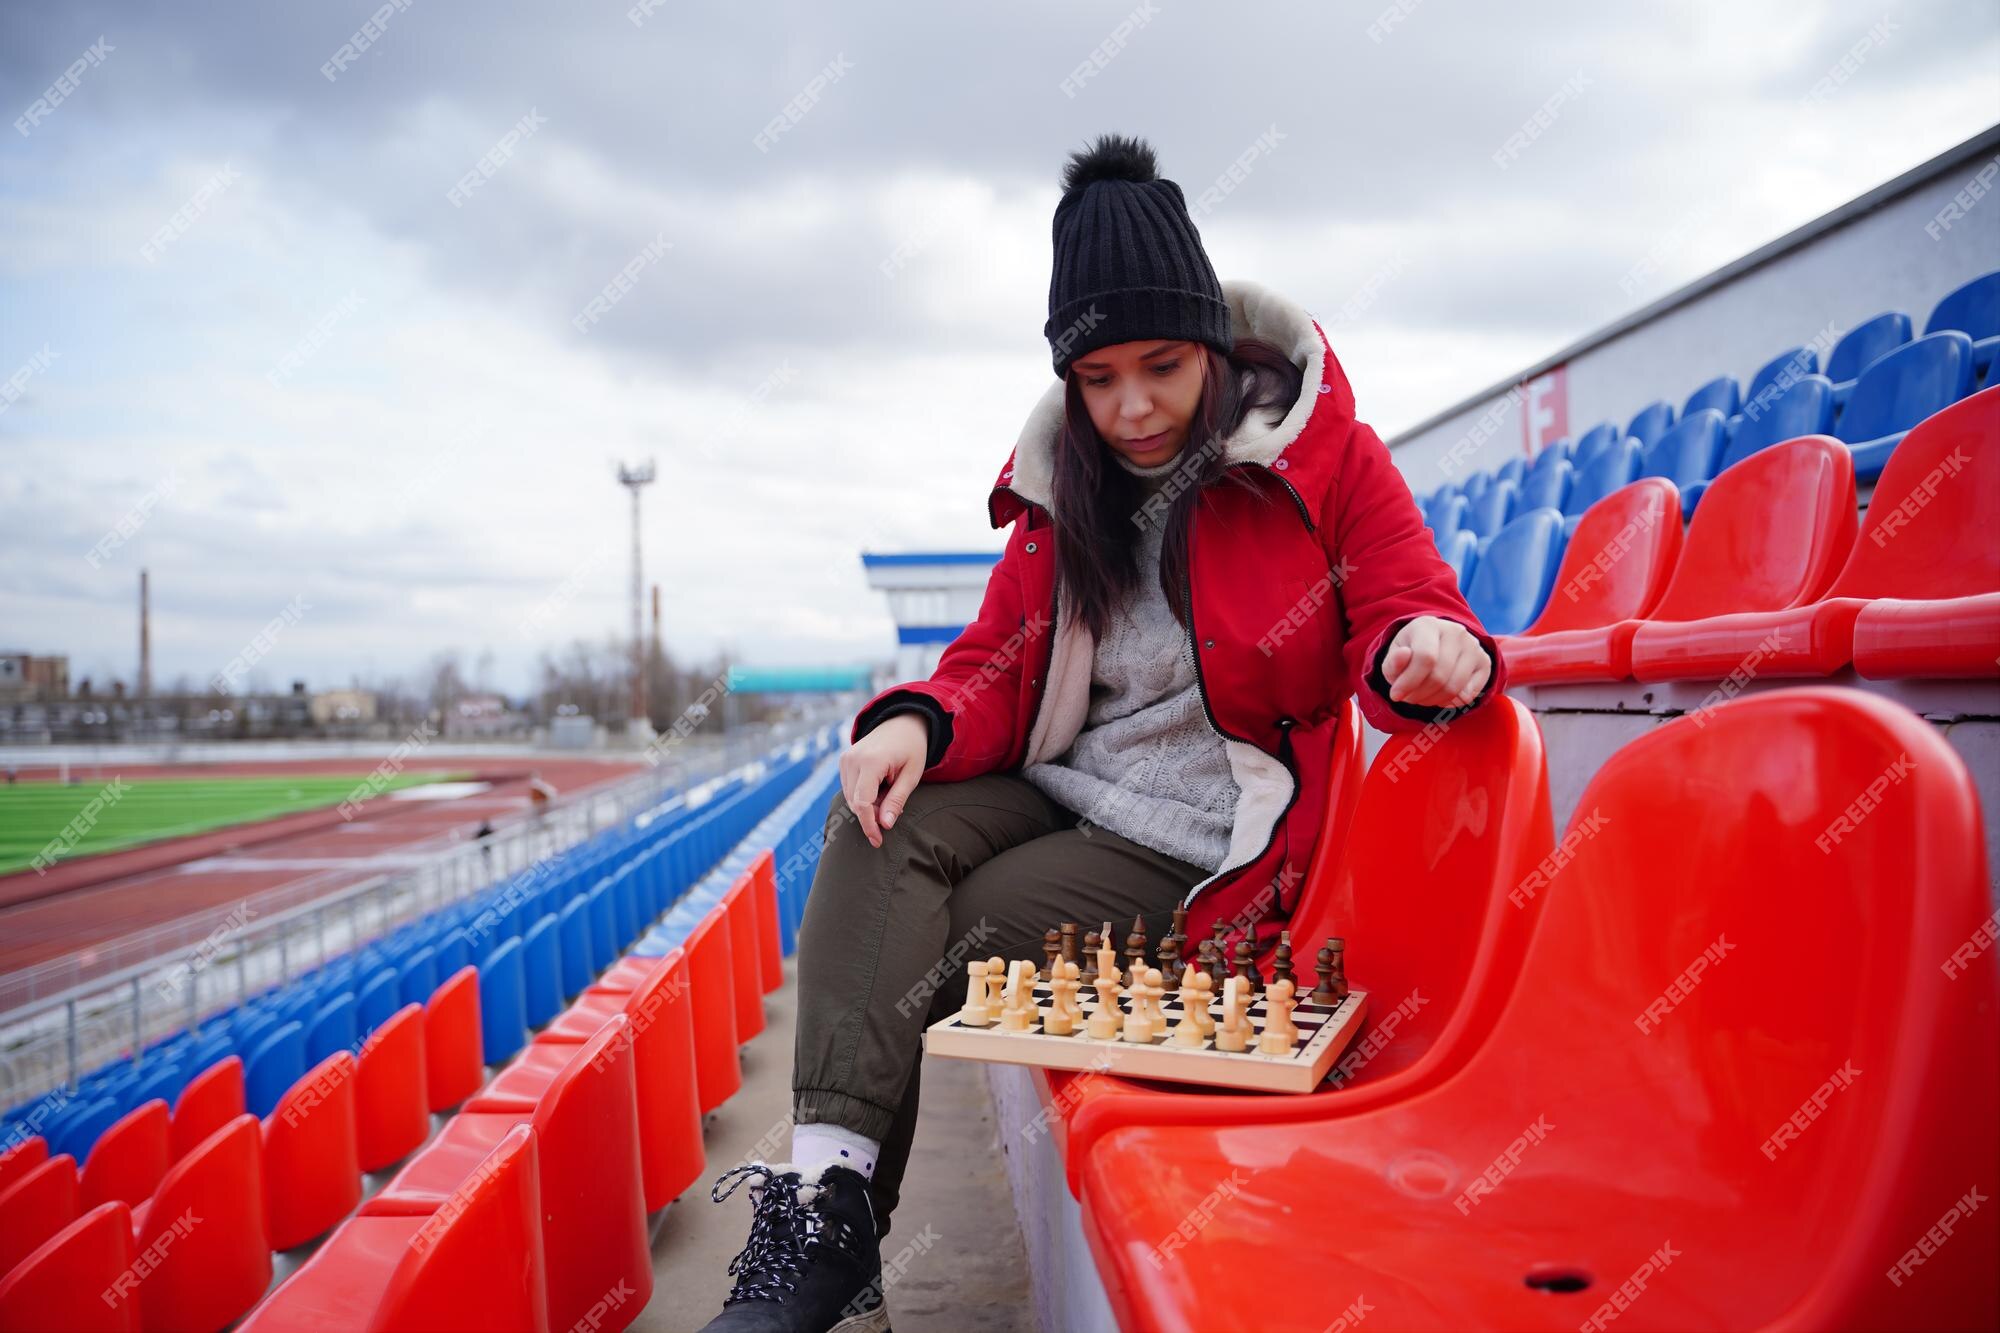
[971, 869]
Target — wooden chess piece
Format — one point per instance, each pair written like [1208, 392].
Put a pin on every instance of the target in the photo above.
[1051, 950]
[1060, 1020]
[1135, 949]
[1107, 960]
[1189, 1031]
[1220, 939]
[1020, 1009]
[1178, 931]
[1281, 963]
[974, 1013]
[996, 978]
[1103, 1024]
[1171, 966]
[1324, 992]
[1069, 941]
[1246, 965]
[1089, 973]
[1143, 1023]
[1339, 947]
[1234, 1034]
[1205, 1000]
[1280, 1033]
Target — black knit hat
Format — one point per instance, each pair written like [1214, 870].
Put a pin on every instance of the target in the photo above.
[1128, 260]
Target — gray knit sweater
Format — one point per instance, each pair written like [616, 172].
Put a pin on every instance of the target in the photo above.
[1147, 765]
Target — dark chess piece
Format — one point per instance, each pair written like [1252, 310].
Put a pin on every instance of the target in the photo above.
[1281, 964]
[1339, 947]
[1212, 962]
[1324, 992]
[1177, 932]
[1246, 966]
[1135, 949]
[1051, 950]
[1091, 944]
[1171, 966]
[1069, 941]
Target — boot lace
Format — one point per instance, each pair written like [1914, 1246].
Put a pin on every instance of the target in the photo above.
[768, 1266]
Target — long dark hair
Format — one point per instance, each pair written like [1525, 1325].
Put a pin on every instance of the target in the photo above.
[1096, 505]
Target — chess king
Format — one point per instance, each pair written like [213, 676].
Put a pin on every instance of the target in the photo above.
[1208, 554]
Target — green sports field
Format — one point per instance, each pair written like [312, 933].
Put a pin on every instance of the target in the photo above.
[104, 814]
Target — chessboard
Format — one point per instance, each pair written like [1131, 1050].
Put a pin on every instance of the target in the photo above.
[1324, 1032]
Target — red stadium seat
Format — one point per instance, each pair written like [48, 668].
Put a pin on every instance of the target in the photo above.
[391, 1107]
[79, 1281]
[452, 1068]
[1932, 536]
[670, 1143]
[628, 973]
[36, 1207]
[1770, 535]
[475, 1266]
[312, 1173]
[764, 878]
[127, 1162]
[208, 1258]
[20, 1159]
[211, 1100]
[1739, 1077]
[717, 1065]
[593, 1204]
[1614, 572]
[746, 957]
[1438, 887]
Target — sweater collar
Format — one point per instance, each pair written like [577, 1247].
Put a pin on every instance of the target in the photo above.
[1254, 311]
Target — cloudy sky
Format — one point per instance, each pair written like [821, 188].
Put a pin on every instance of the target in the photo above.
[308, 314]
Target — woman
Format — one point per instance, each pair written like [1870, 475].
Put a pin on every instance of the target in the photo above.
[1209, 555]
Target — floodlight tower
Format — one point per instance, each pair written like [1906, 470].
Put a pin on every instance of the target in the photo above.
[632, 478]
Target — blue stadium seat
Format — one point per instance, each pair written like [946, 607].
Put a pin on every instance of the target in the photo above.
[1781, 371]
[1490, 511]
[1475, 485]
[333, 1029]
[1611, 468]
[163, 1080]
[1595, 440]
[1806, 408]
[503, 1011]
[1973, 310]
[1860, 346]
[418, 977]
[604, 942]
[378, 1000]
[1556, 451]
[1447, 515]
[1512, 470]
[454, 951]
[1651, 422]
[278, 1062]
[1459, 552]
[1719, 393]
[1900, 390]
[541, 969]
[1513, 575]
[78, 1132]
[1546, 487]
[1691, 452]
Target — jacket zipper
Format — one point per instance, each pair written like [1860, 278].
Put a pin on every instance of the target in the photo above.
[1201, 689]
[1042, 693]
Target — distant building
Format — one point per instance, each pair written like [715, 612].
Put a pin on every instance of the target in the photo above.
[343, 708]
[933, 595]
[25, 678]
[481, 715]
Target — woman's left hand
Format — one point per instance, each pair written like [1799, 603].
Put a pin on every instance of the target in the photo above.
[1435, 663]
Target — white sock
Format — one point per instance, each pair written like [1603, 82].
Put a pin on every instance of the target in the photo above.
[816, 1146]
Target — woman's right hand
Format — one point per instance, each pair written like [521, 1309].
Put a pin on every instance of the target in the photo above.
[892, 753]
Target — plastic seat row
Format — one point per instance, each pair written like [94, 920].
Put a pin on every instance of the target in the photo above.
[1778, 577]
[1645, 1058]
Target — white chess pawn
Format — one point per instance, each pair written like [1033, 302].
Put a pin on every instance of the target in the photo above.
[974, 1014]
[1060, 1020]
[1103, 1023]
[1204, 1002]
[1280, 1034]
[1189, 1032]
[996, 978]
[1235, 1032]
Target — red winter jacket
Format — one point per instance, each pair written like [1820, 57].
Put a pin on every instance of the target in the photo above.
[1291, 607]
